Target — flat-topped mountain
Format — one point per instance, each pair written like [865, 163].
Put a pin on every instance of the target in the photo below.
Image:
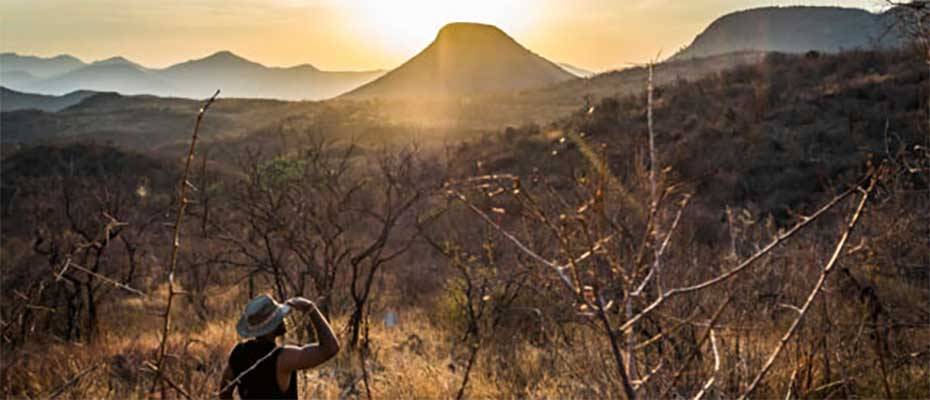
[793, 30]
[466, 59]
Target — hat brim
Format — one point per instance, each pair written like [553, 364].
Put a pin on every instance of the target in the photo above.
[246, 331]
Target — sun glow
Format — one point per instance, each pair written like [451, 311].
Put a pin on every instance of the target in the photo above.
[407, 26]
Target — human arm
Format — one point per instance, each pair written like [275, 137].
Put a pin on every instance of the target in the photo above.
[312, 354]
[226, 389]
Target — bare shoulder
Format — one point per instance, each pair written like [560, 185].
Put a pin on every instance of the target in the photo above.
[294, 358]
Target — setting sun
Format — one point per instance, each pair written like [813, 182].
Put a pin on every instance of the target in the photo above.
[406, 26]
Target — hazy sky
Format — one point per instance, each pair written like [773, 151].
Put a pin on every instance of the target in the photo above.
[356, 35]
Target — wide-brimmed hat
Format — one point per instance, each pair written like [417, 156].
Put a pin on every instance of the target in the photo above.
[261, 316]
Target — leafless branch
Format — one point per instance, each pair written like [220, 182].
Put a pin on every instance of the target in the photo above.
[813, 293]
[781, 238]
[176, 243]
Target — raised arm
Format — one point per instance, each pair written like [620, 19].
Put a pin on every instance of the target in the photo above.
[312, 354]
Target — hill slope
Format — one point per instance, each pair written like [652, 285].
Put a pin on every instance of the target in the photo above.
[793, 30]
[813, 126]
[466, 59]
[11, 100]
[577, 71]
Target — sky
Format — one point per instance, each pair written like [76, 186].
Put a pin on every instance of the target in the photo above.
[359, 34]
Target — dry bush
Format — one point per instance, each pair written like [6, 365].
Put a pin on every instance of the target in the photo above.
[551, 264]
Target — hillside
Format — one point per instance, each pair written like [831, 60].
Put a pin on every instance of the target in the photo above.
[142, 122]
[793, 30]
[151, 122]
[577, 71]
[11, 100]
[545, 104]
[465, 59]
[777, 135]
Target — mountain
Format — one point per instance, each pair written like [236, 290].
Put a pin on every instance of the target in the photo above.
[39, 66]
[466, 59]
[105, 77]
[238, 77]
[16, 79]
[11, 100]
[793, 30]
[234, 75]
[118, 61]
[577, 71]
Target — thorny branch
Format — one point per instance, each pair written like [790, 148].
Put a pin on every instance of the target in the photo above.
[175, 244]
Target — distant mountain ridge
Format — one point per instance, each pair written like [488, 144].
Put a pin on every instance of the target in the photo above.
[795, 29]
[11, 100]
[198, 78]
[39, 67]
[466, 59]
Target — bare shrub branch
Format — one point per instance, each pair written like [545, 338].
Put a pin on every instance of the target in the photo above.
[176, 243]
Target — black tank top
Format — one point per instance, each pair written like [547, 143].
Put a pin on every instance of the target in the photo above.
[262, 381]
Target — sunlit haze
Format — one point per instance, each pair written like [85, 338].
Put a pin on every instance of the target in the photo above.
[357, 35]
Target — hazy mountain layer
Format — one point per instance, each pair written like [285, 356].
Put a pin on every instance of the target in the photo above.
[238, 77]
[793, 30]
[39, 67]
[106, 77]
[466, 59]
[234, 75]
[11, 100]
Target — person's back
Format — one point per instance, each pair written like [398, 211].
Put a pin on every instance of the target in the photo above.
[261, 382]
[259, 368]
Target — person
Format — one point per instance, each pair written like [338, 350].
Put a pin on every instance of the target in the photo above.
[258, 367]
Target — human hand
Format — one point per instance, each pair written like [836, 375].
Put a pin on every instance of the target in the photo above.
[301, 304]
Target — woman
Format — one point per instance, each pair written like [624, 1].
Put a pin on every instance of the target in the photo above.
[259, 368]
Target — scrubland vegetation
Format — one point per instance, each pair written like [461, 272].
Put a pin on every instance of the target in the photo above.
[771, 242]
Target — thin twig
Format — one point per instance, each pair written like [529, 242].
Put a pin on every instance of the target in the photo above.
[61, 389]
[558, 269]
[684, 366]
[170, 382]
[246, 371]
[618, 358]
[813, 293]
[743, 265]
[175, 244]
[710, 381]
[72, 264]
[654, 271]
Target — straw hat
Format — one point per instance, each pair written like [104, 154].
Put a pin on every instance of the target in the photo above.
[261, 316]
